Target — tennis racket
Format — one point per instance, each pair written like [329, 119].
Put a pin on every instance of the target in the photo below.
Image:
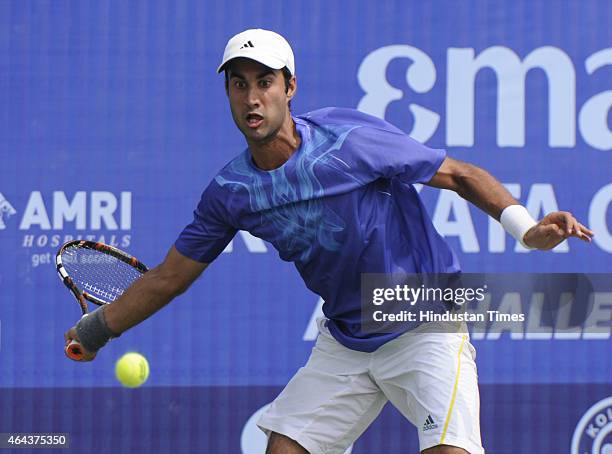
[97, 273]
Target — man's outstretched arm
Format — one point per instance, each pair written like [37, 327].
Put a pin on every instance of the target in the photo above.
[147, 295]
[479, 187]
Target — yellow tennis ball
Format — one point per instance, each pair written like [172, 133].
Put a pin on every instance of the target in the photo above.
[132, 370]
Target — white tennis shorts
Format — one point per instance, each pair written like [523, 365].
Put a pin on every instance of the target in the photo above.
[430, 377]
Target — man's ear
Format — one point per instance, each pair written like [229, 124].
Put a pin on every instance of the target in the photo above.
[292, 89]
[227, 78]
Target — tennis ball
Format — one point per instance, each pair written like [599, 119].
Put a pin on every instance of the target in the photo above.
[132, 370]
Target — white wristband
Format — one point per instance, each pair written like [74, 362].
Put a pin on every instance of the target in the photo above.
[516, 220]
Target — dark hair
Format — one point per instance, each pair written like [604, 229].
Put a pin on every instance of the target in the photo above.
[286, 76]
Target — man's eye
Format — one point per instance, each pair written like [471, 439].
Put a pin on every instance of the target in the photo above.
[239, 84]
[265, 83]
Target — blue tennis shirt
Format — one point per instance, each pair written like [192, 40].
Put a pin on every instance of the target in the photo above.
[342, 205]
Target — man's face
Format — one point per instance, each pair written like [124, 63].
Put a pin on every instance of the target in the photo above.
[258, 99]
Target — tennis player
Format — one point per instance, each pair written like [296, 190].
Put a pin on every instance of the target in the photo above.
[332, 190]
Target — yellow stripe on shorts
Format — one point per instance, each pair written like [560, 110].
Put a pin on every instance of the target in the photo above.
[452, 402]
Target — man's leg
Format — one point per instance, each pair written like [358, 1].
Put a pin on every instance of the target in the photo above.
[431, 378]
[442, 449]
[328, 403]
[279, 444]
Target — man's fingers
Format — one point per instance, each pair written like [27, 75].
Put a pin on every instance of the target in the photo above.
[576, 228]
[569, 222]
[580, 231]
[584, 236]
[555, 228]
[585, 230]
[572, 226]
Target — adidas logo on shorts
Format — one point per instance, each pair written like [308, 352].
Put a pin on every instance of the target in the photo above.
[429, 424]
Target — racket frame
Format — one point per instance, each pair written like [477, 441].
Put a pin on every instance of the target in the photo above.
[73, 348]
[82, 295]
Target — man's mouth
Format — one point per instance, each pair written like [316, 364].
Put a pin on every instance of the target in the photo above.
[254, 120]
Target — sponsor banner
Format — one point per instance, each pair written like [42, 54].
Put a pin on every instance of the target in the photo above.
[571, 419]
[111, 137]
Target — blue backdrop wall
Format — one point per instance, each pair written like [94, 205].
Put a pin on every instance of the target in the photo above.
[113, 120]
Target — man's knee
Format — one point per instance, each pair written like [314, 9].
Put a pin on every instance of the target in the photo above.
[280, 444]
[444, 449]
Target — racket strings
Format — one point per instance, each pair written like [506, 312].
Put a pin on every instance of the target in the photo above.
[99, 274]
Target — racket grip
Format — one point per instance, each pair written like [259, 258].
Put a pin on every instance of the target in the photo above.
[74, 350]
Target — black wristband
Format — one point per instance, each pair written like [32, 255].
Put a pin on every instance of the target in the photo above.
[93, 332]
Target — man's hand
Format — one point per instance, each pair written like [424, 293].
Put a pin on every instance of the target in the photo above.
[553, 229]
[69, 336]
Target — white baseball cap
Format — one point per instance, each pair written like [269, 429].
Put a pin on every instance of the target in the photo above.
[263, 46]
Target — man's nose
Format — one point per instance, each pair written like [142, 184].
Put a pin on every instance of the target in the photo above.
[252, 98]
